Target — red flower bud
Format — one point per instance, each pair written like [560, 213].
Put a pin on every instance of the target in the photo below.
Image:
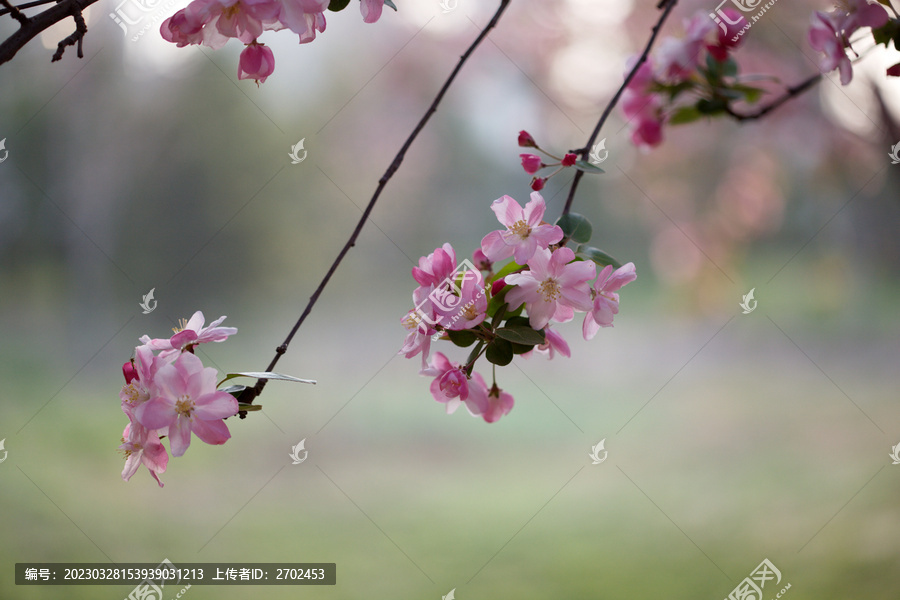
[129, 372]
[525, 140]
[537, 184]
[532, 163]
[497, 286]
[569, 160]
[894, 71]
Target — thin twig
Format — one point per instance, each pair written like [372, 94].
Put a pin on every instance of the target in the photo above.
[76, 37]
[667, 6]
[249, 394]
[791, 92]
[14, 11]
[41, 22]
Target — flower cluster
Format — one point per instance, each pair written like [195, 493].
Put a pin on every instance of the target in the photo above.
[699, 65]
[169, 393]
[212, 22]
[511, 310]
[830, 34]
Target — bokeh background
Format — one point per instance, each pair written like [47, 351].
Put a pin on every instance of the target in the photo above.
[732, 438]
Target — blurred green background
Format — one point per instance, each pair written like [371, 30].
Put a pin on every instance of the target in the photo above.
[732, 438]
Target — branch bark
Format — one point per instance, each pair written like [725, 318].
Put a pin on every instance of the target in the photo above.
[31, 27]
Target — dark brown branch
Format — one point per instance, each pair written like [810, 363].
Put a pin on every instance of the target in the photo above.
[76, 37]
[791, 92]
[43, 21]
[249, 394]
[13, 8]
[666, 6]
[15, 12]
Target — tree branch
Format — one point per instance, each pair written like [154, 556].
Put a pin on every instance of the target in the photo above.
[76, 37]
[791, 92]
[15, 12]
[33, 26]
[666, 6]
[248, 395]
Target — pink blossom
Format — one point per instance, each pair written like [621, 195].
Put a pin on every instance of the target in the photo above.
[371, 10]
[186, 400]
[525, 140]
[555, 343]
[140, 385]
[553, 286]
[648, 133]
[469, 308]
[606, 300]
[481, 261]
[499, 404]
[677, 59]
[419, 322]
[532, 163]
[824, 37]
[524, 233]
[142, 447]
[853, 14]
[435, 268]
[643, 106]
[451, 387]
[191, 333]
[257, 62]
[727, 34]
[303, 17]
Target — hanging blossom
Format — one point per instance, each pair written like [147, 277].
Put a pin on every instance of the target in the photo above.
[830, 33]
[213, 22]
[509, 311]
[168, 393]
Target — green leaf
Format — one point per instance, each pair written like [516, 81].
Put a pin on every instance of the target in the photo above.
[711, 107]
[685, 114]
[499, 352]
[730, 67]
[512, 267]
[576, 227]
[463, 338]
[518, 322]
[474, 355]
[497, 301]
[265, 375]
[521, 348]
[391, 4]
[519, 334]
[751, 94]
[249, 407]
[338, 5]
[598, 256]
[583, 165]
[499, 315]
[234, 389]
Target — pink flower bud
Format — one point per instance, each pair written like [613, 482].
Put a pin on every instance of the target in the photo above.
[569, 160]
[481, 261]
[129, 372]
[525, 140]
[257, 62]
[537, 184]
[532, 163]
[497, 286]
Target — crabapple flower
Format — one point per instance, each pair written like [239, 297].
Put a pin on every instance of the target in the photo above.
[139, 376]
[191, 333]
[499, 404]
[555, 343]
[371, 10]
[830, 33]
[606, 300]
[553, 287]
[677, 58]
[142, 447]
[186, 400]
[525, 231]
[451, 387]
[643, 106]
[481, 261]
[532, 163]
[727, 35]
[435, 268]
[466, 310]
[419, 322]
[257, 62]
